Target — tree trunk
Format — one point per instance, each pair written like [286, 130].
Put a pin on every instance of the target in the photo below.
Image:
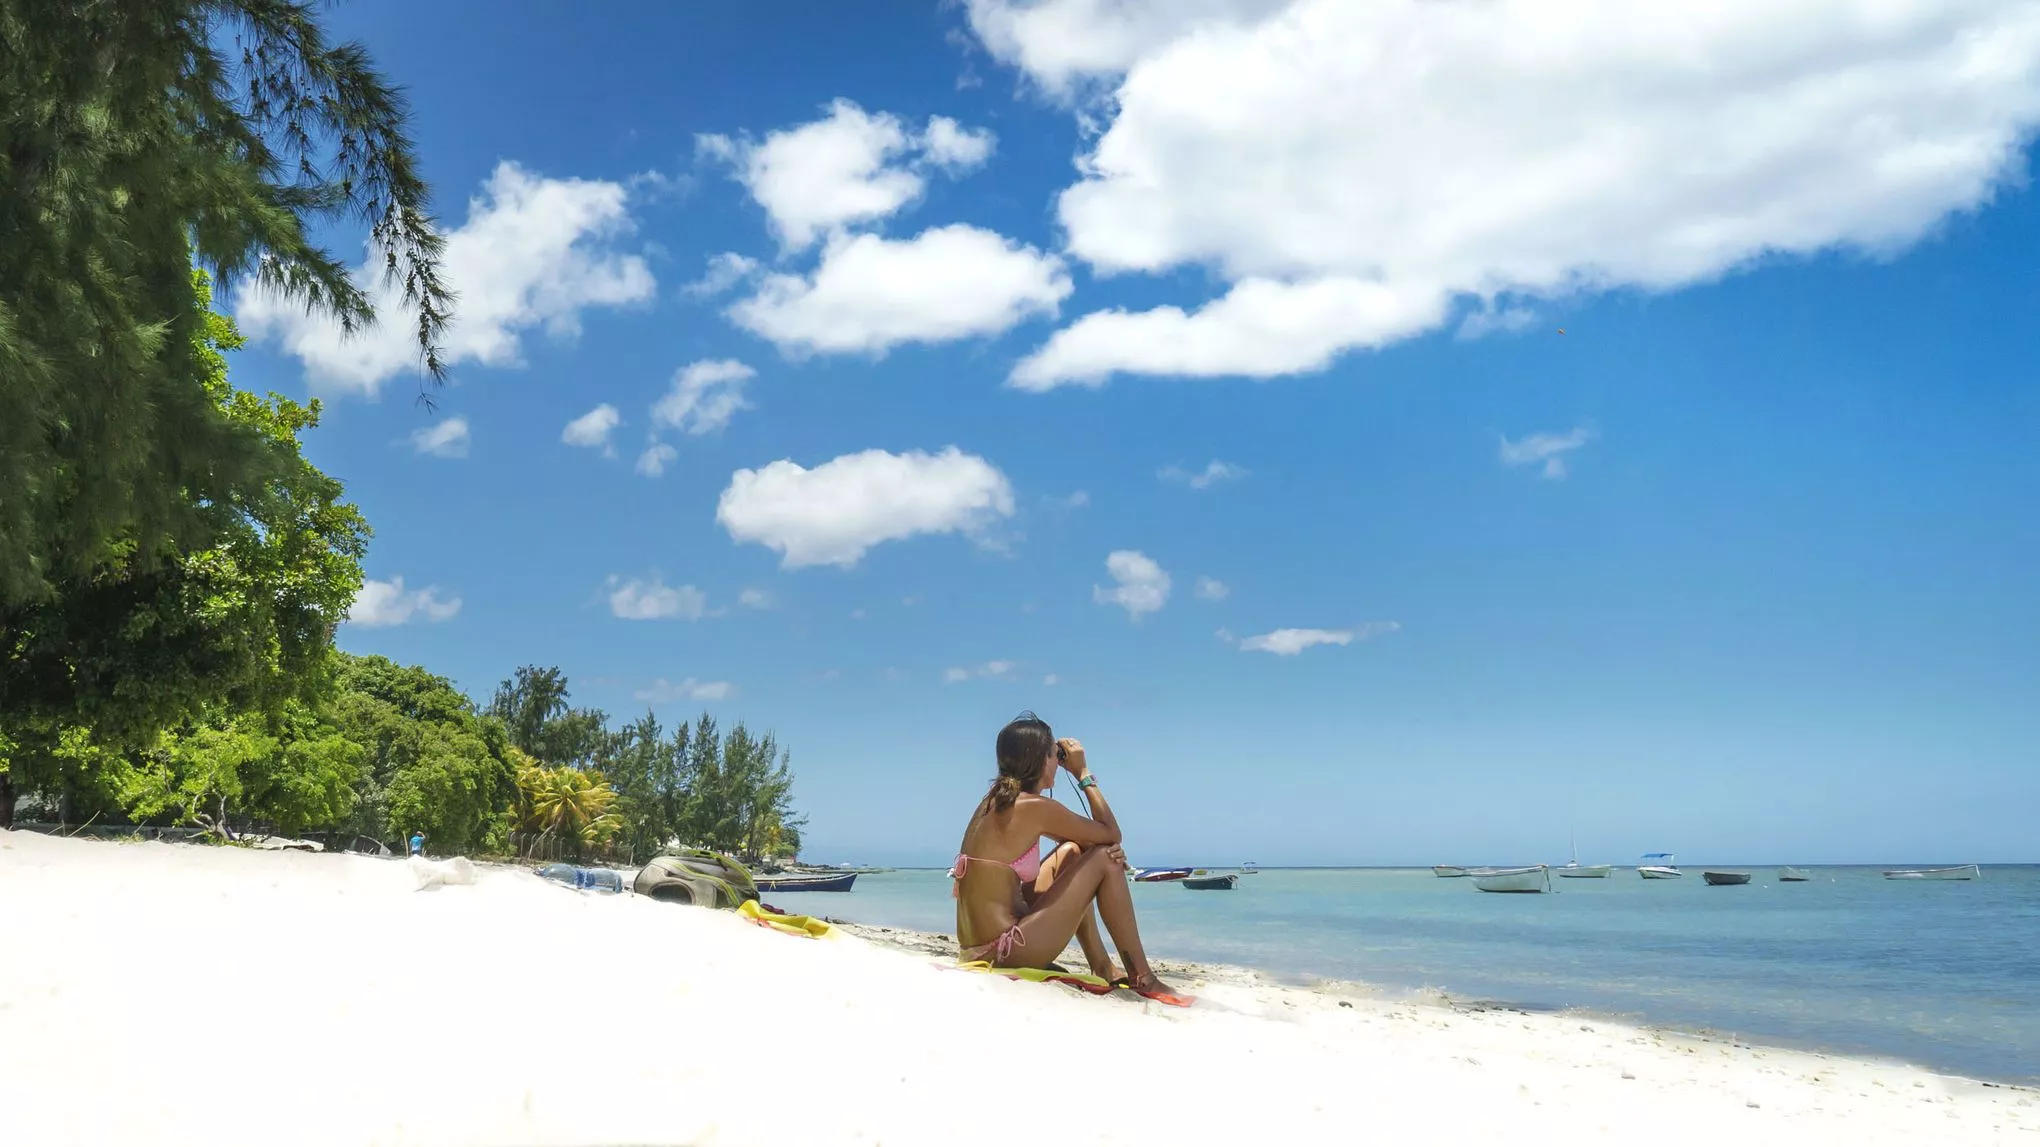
[6, 801]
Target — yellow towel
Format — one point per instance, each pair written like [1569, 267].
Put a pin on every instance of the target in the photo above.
[1087, 983]
[791, 925]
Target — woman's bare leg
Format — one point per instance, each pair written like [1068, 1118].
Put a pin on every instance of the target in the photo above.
[1087, 929]
[1095, 877]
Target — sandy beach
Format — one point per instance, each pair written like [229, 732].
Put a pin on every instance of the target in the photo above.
[180, 994]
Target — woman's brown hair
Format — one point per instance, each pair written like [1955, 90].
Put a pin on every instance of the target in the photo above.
[1023, 748]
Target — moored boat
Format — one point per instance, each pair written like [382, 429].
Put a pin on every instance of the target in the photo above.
[1725, 877]
[1658, 866]
[1156, 875]
[1211, 883]
[1574, 870]
[1449, 870]
[1959, 872]
[1535, 878]
[1790, 875]
[807, 882]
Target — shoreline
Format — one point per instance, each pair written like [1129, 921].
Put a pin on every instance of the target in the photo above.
[190, 994]
[1192, 973]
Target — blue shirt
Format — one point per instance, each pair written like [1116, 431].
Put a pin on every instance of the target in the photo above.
[418, 843]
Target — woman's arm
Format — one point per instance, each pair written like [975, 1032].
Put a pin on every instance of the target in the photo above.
[1101, 827]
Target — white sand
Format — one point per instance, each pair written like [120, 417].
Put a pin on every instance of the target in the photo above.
[174, 994]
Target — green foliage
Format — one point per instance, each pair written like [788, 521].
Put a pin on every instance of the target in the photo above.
[649, 769]
[196, 777]
[309, 781]
[135, 135]
[433, 764]
[245, 623]
[532, 705]
[566, 803]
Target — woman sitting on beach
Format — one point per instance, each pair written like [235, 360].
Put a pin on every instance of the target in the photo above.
[997, 919]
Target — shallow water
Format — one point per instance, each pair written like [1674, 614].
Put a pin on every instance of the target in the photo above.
[1941, 973]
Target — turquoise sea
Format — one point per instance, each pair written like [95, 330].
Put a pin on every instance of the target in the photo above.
[1940, 973]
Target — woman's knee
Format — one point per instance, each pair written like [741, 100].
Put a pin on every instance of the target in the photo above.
[1104, 858]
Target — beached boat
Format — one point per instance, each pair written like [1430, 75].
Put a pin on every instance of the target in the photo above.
[1725, 877]
[1959, 872]
[1211, 883]
[807, 882]
[1658, 866]
[1790, 875]
[1156, 875]
[1536, 878]
[1449, 870]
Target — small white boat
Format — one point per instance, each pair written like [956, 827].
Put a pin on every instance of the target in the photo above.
[1448, 870]
[1959, 872]
[1576, 871]
[1658, 866]
[1536, 878]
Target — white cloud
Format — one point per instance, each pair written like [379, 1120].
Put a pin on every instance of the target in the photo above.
[704, 396]
[952, 146]
[832, 514]
[870, 293]
[448, 439]
[1359, 172]
[1062, 42]
[849, 167]
[655, 459]
[593, 429]
[994, 670]
[534, 253]
[724, 271]
[755, 599]
[1259, 329]
[664, 692]
[1141, 585]
[1213, 473]
[385, 603]
[1290, 642]
[1491, 319]
[1212, 589]
[639, 600]
[1051, 680]
[1548, 449]
[1078, 500]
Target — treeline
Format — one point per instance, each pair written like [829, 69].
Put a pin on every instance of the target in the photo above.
[393, 749]
[172, 568]
[643, 786]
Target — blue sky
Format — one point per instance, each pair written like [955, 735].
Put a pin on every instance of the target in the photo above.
[1740, 565]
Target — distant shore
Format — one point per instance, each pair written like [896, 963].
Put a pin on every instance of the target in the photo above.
[185, 994]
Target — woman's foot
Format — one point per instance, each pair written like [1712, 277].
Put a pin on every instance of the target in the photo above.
[1108, 972]
[1150, 983]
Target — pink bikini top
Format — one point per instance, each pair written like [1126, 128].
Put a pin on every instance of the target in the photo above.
[1026, 868]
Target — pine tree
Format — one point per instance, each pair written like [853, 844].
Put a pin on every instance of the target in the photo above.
[136, 137]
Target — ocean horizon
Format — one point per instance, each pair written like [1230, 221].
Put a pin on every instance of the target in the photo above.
[1945, 974]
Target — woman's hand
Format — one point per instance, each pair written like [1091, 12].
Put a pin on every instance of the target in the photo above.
[1118, 855]
[1073, 758]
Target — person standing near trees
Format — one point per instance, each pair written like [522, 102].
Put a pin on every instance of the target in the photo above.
[417, 844]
